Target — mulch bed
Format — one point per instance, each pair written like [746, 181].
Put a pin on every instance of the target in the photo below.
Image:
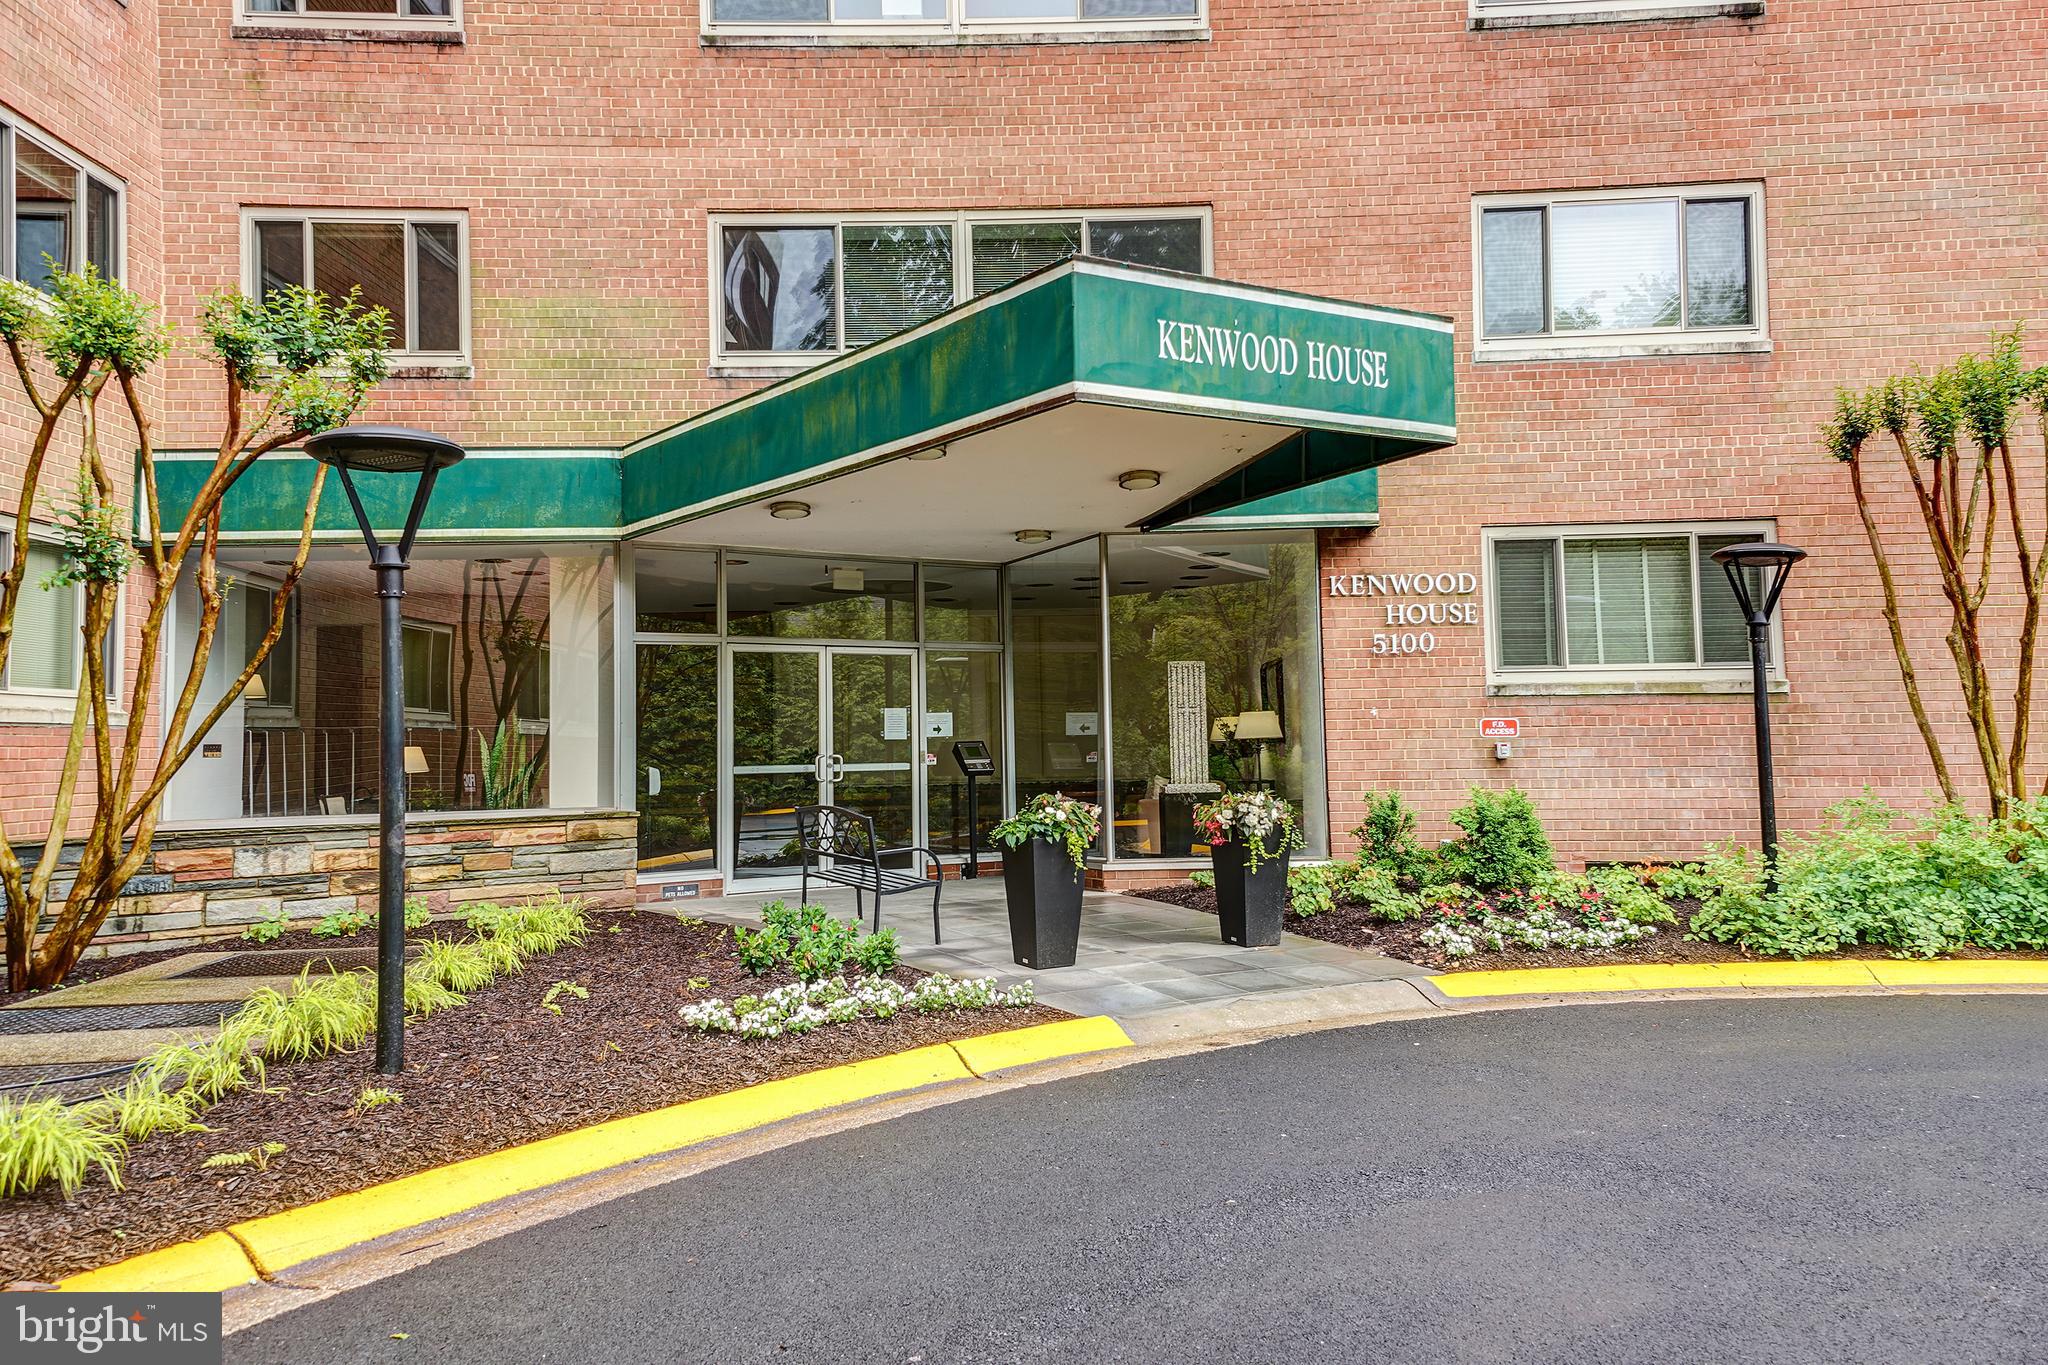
[490, 1074]
[1355, 926]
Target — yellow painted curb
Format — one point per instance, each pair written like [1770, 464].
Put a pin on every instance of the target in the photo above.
[1739, 976]
[303, 1234]
[1020, 1047]
[1983, 972]
[272, 1243]
[207, 1266]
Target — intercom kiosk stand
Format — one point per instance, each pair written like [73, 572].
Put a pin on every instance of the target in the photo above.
[976, 763]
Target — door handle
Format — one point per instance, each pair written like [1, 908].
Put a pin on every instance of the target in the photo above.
[838, 766]
[654, 781]
[821, 767]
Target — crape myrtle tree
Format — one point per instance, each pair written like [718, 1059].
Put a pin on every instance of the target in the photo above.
[290, 365]
[1955, 431]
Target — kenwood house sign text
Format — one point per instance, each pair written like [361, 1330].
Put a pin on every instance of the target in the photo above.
[1193, 343]
[1414, 602]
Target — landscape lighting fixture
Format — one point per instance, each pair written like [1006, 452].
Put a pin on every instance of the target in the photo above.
[350, 451]
[1757, 571]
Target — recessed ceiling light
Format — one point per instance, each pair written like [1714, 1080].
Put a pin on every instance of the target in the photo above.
[1033, 537]
[1217, 554]
[1084, 578]
[1135, 479]
[1034, 585]
[731, 560]
[944, 601]
[1135, 582]
[1023, 598]
[929, 453]
[789, 511]
[791, 603]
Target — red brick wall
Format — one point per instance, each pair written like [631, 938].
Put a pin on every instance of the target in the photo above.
[1340, 147]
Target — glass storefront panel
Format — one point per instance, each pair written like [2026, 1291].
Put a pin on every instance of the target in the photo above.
[963, 699]
[962, 604]
[1056, 655]
[508, 686]
[777, 737]
[675, 592]
[803, 597]
[1210, 636]
[676, 701]
[873, 763]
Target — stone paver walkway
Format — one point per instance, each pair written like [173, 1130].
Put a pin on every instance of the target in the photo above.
[1156, 968]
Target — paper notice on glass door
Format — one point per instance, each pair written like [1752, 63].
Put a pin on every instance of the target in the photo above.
[895, 722]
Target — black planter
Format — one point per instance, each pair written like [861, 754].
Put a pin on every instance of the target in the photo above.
[1250, 905]
[1044, 891]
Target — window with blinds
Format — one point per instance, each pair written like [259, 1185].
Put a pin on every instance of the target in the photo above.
[1565, 268]
[56, 211]
[45, 654]
[410, 265]
[428, 659]
[799, 286]
[1616, 602]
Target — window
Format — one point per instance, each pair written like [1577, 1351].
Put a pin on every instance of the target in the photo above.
[1634, 272]
[60, 211]
[793, 289]
[924, 20]
[428, 662]
[280, 671]
[393, 14]
[413, 265]
[1621, 602]
[48, 653]
[1523, 13]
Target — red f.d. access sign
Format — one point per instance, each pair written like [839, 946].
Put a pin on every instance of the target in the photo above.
[1500, 727]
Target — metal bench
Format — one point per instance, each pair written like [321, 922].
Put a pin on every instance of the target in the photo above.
[838, 845]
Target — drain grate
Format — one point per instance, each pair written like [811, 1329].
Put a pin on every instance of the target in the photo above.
[285, 962]
[93, 1018]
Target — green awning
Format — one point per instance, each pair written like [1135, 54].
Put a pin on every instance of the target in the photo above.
[1017, 411]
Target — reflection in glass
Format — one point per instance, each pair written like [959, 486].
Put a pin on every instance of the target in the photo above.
[365, 256]
[45, 199]
[1056, 655]
[776, 740]
[896, 276]
[676, 696]
[1614, 266]
[779, 289]
[1169, 243]
[1009, 251]
[791, 597]
[1204, 629]
[508, 682]
[963, 699]
[1511, 259]
[280, 256]
[675, 592]
[437, 276]
[961, 604]
[1717, 263]
[875, 741]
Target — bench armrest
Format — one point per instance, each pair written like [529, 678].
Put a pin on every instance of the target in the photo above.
[930, 856]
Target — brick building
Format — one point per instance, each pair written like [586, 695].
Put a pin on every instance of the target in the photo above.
[1661, 232]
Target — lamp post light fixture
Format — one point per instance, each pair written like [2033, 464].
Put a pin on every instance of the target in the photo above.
[1757, 571]
[389, 450]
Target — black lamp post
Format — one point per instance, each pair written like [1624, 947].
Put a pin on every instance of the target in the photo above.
[1772, 565]
[389, 450]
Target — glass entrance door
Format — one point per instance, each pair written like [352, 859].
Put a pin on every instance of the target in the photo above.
[814, 725]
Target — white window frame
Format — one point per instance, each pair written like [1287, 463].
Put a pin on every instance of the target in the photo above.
[11, 126]
[1535, 13]
[956, 27]
[402, 356]
[356, 23]
[1654, 341]
[962, 225]
[1573, 679]
[427, 715]
[53, 705]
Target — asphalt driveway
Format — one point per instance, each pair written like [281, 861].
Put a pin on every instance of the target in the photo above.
[1856, 1180]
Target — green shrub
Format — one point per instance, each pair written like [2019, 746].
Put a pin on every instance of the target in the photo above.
[1205, 880]
[807, 940]
[425, 993]
[1379, 889]
[1503, 844]
[456, 967]
[45, 1140]
[1624, 892]
[1445, 895]
[342, 923]
[332, 1014]
[1386, 837]
[761, 950]
[876, 954]
[1312, 888]
[537, 927]
[268, 930]
[820, 948]
[210, 1069]
[416, 915]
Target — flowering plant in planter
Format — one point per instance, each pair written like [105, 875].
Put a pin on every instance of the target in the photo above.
[1057, 819]
[1262, 823]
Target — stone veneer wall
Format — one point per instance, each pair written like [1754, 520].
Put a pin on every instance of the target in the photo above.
[214, 882]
